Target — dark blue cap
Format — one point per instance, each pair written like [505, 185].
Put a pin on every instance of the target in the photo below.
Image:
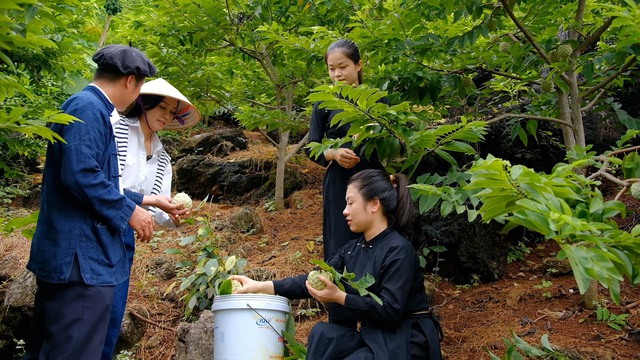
[126, 60]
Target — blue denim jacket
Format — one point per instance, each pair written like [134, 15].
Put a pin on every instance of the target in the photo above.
[82, 211]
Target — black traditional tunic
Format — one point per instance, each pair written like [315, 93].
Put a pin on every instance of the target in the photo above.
[335, 231]
[397, 329]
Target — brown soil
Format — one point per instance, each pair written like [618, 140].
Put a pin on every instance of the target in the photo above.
[476, 317]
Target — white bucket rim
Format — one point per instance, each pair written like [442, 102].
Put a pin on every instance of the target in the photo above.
[250, 301]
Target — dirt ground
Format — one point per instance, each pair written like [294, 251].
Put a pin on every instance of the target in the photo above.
[475, 317]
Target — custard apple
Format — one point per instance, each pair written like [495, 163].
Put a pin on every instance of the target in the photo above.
[315, 282]
[546, 86]
[635, 190]
[235, 285]
[184, 199]
[564, 51]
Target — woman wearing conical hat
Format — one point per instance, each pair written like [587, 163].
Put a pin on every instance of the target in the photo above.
[145, 167]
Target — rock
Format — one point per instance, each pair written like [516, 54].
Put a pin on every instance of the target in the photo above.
[246, 220]
[16, 314]
[7, 265]
[131, 331]
[22, 291]
[219, 143]
[557, 267]
[232, 181]
[514, 296]
[164, 268]
[430, 290]
[195, 340]
[474, 249]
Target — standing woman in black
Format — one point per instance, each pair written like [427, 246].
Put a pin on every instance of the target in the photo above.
[344, 65]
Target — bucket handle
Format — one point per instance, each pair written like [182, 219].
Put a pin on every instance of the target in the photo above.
[267, 321]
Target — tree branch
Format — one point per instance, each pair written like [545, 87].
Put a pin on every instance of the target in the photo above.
[593, 38]
[594, 101]
[271, 107]
[580, 12]
[611, 77]
[229, 14]
[151, 322]
[527, 34]
[297, 147]
[609, 177]
[273, 142]
[504, 74]
[526, 116]
[217, 101]
[625, 150]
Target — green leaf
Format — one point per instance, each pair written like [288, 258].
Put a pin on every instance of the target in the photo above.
[225, 287]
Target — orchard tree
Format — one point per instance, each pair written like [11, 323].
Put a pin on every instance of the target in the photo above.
[42, 61]
[264, 54]
[555, 59]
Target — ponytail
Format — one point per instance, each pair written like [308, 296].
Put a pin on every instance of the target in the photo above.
[405, 211]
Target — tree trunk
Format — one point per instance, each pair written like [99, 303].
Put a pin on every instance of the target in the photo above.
[565, 114]
[590, 297]
[103, 37]
[281, 164]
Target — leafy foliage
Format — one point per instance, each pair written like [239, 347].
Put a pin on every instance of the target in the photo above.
[294, 350]
[204, 278]
[566, 207]
[617, 322]
[41, 59]
[518, 349]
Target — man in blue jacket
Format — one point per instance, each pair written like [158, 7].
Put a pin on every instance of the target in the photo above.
[77, 252]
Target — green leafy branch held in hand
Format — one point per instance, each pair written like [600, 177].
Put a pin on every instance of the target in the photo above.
[360, 285]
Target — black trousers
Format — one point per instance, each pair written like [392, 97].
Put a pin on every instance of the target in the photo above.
[70, 320]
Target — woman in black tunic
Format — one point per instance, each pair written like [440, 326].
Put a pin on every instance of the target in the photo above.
[344, 64]
[402, 327]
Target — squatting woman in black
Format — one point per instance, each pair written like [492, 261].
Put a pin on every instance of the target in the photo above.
[401, 327]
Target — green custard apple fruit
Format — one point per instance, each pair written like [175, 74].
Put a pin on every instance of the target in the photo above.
[564, 51]
[315, 281]
[635, 190]
[184, 199]
[546, 86]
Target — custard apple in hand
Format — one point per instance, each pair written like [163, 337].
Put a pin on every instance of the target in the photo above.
[184, 199]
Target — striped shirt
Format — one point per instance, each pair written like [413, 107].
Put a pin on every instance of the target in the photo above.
[146, 176]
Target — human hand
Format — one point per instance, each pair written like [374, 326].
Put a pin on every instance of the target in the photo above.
[346, 158]
[177, 219]
[250, 286]
[331, 292]
[164, 203]
[142, 223]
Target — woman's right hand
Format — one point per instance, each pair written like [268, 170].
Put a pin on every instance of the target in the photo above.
[346, 158]
[250, 286]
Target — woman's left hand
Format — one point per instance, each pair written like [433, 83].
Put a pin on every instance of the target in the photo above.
[177, 219]
[331, 293]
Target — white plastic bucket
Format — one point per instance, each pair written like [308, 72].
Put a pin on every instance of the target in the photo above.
[249, 326]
